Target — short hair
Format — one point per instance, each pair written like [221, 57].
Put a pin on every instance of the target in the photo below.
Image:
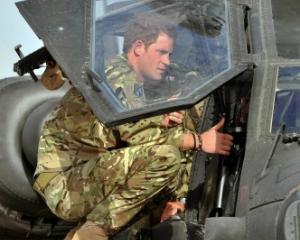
[147, 28]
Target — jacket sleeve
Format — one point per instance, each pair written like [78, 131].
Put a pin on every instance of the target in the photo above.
[151, 131]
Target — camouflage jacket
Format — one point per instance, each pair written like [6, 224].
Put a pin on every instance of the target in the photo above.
[134, 94]
[123, 80]
[73, 135]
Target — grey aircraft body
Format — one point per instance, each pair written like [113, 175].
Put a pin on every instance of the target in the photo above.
[242, 56]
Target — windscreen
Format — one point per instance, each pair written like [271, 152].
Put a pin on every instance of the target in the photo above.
[156, 51]
[286, 22]
[286, 108]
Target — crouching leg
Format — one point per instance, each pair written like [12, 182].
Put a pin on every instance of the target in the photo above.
[108, 192]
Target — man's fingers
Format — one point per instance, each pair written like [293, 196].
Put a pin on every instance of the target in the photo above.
[225, 138]
[227, 142]
[228, 136]
[219, 125]
[175, 119]
[177, 114]
[171, 209]
[226, 148]
[217, 142]
[223, 152]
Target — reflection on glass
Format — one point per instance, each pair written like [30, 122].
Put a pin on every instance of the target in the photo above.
[286, 109]
[156, 51]
[286, 19]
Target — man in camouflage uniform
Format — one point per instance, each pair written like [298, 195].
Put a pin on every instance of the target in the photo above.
[105, 176]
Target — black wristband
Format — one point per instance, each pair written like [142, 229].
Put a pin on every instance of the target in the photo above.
[200, 142]
[194, 137]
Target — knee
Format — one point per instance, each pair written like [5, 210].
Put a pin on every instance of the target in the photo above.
[167, 151]
[71, 211]
[166, 156]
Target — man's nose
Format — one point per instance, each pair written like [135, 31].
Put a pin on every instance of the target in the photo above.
[166, 59]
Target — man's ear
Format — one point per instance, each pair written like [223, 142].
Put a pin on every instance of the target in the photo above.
[138, 47]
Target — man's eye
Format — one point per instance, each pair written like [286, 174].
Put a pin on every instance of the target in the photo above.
[162, 52]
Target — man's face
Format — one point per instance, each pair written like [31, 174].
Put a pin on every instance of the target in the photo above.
[154, 60]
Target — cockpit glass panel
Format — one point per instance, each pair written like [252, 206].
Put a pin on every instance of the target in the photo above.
[286, 19]
[156, 51]
[286, 108]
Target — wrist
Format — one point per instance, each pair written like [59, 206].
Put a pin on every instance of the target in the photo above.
[196, 141]
[200, 140]
[197, 146]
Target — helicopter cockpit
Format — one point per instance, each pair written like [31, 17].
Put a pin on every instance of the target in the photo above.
[201, 52]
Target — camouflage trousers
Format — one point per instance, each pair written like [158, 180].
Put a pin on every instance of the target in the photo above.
[111, 190]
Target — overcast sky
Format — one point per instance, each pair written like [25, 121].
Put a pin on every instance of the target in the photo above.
[14, 31]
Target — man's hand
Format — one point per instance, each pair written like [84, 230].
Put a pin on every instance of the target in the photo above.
[171, 209]
[172, 119]
[214, 141]
[52, 77]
